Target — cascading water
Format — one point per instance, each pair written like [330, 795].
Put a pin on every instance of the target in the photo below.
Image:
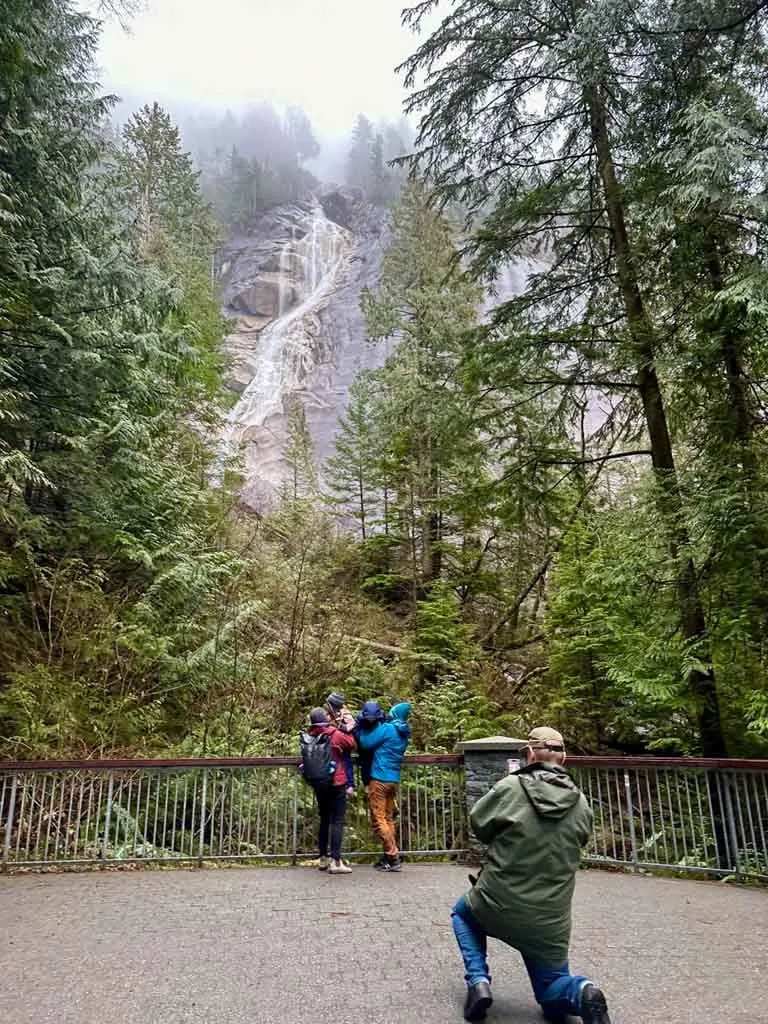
[310, 266]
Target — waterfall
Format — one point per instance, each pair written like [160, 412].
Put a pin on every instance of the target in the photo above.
[309, 267]
[284, 269]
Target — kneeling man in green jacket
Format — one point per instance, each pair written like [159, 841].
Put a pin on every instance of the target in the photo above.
[534, 823]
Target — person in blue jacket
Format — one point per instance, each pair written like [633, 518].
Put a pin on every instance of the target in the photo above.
[369, 717]
[387, 740]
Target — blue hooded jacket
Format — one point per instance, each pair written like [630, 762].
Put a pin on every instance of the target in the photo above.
[388, 741]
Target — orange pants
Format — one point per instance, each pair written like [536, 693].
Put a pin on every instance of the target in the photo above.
[381, 803]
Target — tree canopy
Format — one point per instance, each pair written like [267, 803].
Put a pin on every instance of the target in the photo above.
[549, 500]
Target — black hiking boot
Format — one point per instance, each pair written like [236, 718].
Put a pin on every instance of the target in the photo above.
[556, 1016]
[594, 1009]
[479, 998]
[389, 864]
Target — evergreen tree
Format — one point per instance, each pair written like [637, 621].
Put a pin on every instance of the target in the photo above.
[352, 473]
[426, 303]
[547, 179]
[359, 168]
[380, 188]
[299, 131]
[160, 183]
[299, 453]
[252, 162]
[108, 529]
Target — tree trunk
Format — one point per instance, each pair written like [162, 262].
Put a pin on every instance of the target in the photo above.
[431, 521]
[386, 509]
[361, 496]
[731, 351]
[433, 566]
[701, 680]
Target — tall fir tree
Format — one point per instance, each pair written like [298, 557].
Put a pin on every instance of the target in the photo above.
[359, 169]
[550, 185]
[299, 453]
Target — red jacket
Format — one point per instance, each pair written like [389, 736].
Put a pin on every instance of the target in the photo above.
[341, 743]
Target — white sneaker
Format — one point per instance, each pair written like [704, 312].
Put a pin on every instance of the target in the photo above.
[338, 867]
[323, 863]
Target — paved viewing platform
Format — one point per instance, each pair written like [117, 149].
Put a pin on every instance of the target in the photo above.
[295, 946]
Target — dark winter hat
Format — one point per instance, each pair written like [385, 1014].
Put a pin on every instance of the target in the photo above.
[318, 717]
[335, 701]
[371, 711]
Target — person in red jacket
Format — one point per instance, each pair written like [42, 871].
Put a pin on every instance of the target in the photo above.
[331, 796]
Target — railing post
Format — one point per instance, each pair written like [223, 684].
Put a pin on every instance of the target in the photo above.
[631, 816]
[486, 761]
[731, 821]
[203, 795]
[9, 822]
[719, 814]
[295, 858]
[108, 817]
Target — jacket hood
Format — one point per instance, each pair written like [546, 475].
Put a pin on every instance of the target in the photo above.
[550, 789]
[399, 717]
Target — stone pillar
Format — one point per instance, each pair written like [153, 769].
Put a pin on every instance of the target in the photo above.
[485, 762]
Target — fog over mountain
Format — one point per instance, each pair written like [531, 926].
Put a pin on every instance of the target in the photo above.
[331, 59]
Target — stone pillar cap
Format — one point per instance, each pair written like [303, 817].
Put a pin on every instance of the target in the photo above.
[490, 743]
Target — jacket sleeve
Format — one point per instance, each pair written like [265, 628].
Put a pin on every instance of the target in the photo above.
[495, 811]
[343, 741]
[346, 722]
[588, 822]
[374, 738]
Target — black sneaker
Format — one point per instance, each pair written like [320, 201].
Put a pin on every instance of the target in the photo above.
[389, 864]
[594, 1009]
[380, 862]
[479, 998]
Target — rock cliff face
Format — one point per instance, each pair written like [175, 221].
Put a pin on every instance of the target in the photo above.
[292, 287]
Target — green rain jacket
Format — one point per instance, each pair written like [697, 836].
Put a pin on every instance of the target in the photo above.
[535, 823]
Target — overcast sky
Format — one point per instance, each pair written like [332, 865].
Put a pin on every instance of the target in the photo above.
[332, 57]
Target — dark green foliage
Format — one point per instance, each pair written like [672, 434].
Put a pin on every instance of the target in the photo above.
[109, 549]
[516, 557]
[370, 166]
[252, 161]
[299, 454]
[359, 173]
[616, 148]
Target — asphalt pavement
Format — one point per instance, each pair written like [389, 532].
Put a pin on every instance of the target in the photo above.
[295, 946]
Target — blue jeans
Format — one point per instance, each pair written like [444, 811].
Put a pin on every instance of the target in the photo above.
[554, 987]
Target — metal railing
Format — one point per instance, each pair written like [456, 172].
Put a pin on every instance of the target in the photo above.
[258, 809]
[688, 814]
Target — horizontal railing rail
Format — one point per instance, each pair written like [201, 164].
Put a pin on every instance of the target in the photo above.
[195, 762]
[678, 763]
[574, 760]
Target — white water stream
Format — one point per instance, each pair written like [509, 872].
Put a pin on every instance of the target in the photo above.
[310, 267]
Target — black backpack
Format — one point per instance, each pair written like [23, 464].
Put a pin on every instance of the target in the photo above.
[317, 765]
